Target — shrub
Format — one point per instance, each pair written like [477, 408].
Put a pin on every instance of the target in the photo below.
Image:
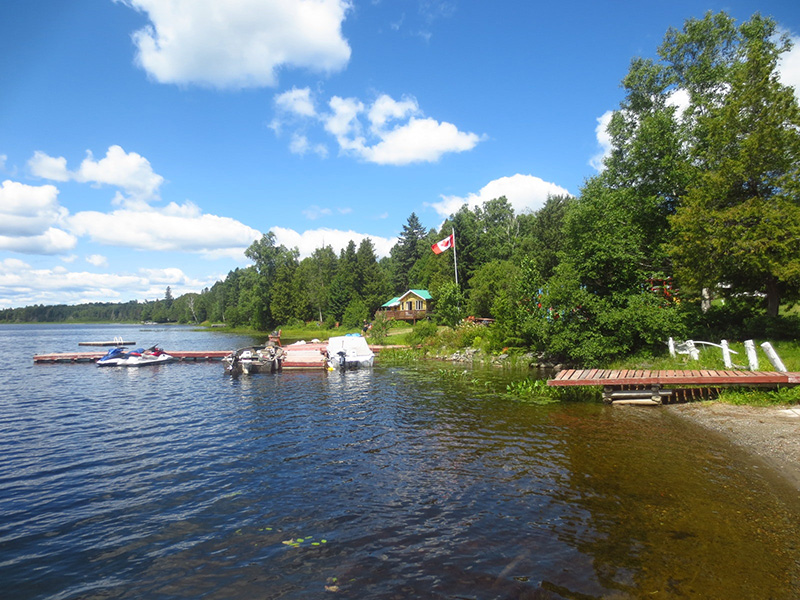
[421, 332]
[380, 329]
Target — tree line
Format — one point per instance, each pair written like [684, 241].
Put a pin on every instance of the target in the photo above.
[692, 228]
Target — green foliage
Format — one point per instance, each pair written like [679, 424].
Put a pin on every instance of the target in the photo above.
[408, 250]
[465, 335]
[450, 304]
[401, 356]
[785, 396]
[534, 391]
[490, 286]
[739, 219]
[380, 329]
[355, 314]
[422, 332]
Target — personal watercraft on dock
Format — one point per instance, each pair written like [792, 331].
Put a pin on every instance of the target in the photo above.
[120, 357]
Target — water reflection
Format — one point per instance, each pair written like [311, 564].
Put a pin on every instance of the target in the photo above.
[390, 483]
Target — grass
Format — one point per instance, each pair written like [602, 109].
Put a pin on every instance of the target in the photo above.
[711, 358]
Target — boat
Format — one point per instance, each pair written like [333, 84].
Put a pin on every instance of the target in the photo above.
[254, 359]
[120, 357]
[347, 352]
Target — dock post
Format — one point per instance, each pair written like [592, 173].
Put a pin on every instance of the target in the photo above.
[773, 357]
[656, 393]
[726, 354]
[752, 357]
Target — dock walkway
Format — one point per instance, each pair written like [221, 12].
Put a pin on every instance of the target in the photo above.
[638, 386]
[78, 357]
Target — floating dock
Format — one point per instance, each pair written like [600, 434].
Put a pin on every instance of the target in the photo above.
[296, 356]
[637, 386]
[84, 357]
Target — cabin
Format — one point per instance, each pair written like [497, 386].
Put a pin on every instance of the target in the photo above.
[411, 306]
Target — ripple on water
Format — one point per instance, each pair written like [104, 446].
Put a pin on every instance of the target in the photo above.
[397, 482]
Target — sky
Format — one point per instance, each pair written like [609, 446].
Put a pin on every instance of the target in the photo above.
[148, 143]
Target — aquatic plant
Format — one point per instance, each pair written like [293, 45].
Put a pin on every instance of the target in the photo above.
[535, 391]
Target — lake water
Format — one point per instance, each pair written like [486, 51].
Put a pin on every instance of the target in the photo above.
[176, 481]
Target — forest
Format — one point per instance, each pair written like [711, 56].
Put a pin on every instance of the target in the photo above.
[690, 230]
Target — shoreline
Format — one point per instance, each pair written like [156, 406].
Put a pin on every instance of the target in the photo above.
[771, 434]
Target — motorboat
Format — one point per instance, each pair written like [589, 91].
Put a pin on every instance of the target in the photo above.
[119, 356]
[349, 352]
[254, 359]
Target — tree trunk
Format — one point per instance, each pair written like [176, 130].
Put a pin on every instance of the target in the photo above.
[773, 297]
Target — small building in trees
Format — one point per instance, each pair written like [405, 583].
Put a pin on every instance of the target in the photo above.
[411, 306]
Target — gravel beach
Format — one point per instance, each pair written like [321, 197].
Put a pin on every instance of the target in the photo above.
[772, 434]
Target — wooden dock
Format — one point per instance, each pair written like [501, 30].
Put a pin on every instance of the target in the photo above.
[85, 357]
[637, 386]
[300, 356]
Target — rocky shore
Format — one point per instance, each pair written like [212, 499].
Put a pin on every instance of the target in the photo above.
[772, 434]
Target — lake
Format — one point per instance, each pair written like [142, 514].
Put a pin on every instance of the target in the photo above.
[176, 481]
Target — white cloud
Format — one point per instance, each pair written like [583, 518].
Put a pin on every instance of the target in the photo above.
[523, 192]
[22, 285]
[314, 212]
[385, 108]
[129, 171]
[603, 140]
[789, 66]
[313, 239]
[299, 144]
[296, 101]
[680, 99]
[27, 210]
[51, 241]
[98, 260]
[48, 167]
[31, 220]
[387, 132]
[419, 140]
[239, 43]
[343, 120]
[175, 227]
[13, 265]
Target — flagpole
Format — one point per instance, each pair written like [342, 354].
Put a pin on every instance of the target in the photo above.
[455, 258]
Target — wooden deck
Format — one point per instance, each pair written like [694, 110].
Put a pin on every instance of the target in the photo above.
[637, 386]
[685, 377]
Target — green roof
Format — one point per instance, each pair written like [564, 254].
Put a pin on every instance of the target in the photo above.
[393, 302]
[424, 294]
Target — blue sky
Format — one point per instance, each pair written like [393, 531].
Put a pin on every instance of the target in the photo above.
[147, 143]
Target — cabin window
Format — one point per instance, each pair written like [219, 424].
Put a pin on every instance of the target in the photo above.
[410, 304]
[419, 305]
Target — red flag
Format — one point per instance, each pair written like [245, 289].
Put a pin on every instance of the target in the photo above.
[445, 244]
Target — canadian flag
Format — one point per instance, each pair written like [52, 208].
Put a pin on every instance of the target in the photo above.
[445, 244]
